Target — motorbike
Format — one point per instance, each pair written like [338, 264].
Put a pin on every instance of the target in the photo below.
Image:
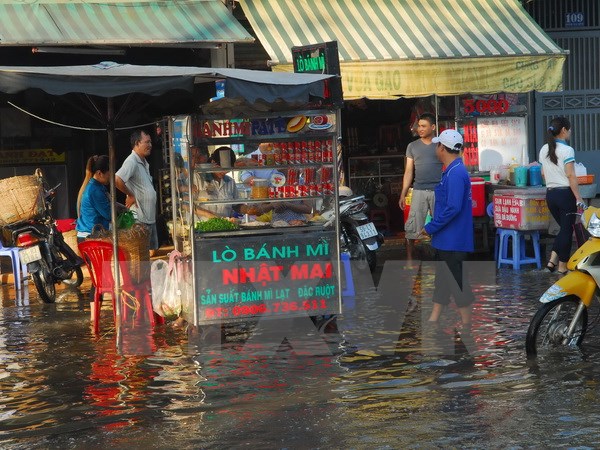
[358, 235]
[562, 320]
[48, 257]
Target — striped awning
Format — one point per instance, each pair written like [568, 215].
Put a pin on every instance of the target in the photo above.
[390, 48]
[132, 23]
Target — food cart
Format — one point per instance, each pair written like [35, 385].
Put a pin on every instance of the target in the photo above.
[251, 266]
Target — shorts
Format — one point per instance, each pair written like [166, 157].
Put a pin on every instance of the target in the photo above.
[420, 204]
[153, 234]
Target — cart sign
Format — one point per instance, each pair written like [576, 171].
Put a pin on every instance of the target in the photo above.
[267, 275]
[317, 58]
[320, 58]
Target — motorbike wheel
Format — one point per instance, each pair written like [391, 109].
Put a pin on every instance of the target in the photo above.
[67, 255]
[360, 253]
[75, 282]
[548, 328]
[44, 283]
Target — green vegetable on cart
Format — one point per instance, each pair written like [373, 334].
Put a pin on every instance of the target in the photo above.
[215, 224]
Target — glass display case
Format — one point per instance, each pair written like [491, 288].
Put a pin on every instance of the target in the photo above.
[268, 246]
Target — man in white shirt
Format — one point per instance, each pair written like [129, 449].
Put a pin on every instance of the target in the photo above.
[134, 180]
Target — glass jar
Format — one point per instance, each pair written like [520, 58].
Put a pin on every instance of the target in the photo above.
[260, 188]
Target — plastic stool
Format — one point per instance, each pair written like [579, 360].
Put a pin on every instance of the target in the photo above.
[519, 256]
[349, 289]
[19, 270]
[381, 218]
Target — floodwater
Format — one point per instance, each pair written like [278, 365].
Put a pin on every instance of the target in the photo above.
[375, 382]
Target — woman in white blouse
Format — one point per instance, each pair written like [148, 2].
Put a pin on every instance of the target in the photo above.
[562, 195]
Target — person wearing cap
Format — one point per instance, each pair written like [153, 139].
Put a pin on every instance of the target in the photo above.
[451, 228]
[423, 171]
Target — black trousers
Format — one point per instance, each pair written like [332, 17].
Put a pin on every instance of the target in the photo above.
[449, 279]
[563, 207]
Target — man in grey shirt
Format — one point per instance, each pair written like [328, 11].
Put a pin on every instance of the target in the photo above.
[134, 180]
[424, 168]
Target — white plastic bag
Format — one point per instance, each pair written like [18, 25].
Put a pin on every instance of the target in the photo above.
[166, 292]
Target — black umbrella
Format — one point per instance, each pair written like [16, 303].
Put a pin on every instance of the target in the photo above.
[110, 80]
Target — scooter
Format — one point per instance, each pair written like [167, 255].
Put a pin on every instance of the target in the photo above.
[49, 258]
[562, 320]
[358, 235]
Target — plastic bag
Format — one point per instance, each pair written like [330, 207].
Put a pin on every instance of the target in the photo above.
[125, 220]
[166, 292]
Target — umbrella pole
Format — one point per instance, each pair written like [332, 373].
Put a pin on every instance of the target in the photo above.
[110, 128]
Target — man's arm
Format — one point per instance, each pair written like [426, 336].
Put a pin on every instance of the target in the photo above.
[120, 184]
[407, 179]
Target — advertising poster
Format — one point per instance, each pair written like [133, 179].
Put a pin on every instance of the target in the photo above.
[501, 141]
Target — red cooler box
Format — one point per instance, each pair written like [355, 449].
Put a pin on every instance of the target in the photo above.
[478, 196]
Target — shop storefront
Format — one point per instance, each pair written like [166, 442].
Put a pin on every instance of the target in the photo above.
[473, 64]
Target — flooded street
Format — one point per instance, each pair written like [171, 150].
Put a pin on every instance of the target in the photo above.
[375, 382]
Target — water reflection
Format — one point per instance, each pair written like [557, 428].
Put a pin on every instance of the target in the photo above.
[374, 383]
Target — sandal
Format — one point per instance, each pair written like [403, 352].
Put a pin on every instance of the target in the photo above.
[551, 266]
[562, 273]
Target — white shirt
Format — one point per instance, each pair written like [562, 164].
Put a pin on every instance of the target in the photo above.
[135, 173]
[554, 174]
[213, 190]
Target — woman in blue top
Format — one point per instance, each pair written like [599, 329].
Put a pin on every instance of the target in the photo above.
[95, 201]
[562, 193]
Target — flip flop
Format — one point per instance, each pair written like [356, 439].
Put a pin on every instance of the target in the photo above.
[551, 266]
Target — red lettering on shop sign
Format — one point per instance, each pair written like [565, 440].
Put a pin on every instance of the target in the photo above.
[223, 128]
[262, 274]
[308, 271]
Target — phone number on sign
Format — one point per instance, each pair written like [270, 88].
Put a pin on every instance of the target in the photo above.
[256, 310]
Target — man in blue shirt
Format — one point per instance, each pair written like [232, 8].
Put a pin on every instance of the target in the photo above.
[451, 228]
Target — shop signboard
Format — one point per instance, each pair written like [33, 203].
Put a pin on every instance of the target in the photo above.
[521, 211]
[276, 275]
[322, 57]
[30, 156]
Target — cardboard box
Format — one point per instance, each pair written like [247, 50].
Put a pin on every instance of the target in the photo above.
[521, 211]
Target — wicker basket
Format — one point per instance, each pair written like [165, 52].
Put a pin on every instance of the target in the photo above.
[70, 238]
[22, 199]
[136, 243]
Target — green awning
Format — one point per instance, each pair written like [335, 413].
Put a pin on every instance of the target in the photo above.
[413, 48]
[132, 23]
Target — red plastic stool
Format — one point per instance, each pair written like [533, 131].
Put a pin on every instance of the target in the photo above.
[98, 256]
